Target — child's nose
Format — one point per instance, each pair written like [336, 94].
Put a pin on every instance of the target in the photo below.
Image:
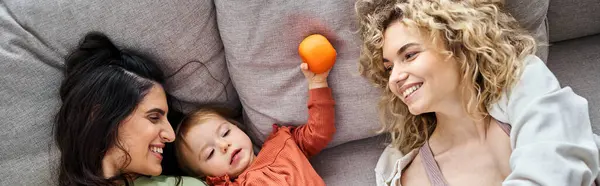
[224, 145]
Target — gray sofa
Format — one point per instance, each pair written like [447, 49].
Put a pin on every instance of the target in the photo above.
[248, 49]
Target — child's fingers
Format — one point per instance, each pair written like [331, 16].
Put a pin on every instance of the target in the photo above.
[307, 73]
[304, 66]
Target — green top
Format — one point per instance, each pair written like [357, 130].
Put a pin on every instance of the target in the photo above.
[168, 181]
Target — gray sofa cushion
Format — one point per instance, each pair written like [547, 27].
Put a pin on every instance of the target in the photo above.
[29, 75]
[570, 19]
[352, 163]
[261, 44]
[172, 33]
[531, 15]
[576, 63]
[35, 35]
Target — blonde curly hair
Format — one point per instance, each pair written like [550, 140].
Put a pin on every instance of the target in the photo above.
[487, 42]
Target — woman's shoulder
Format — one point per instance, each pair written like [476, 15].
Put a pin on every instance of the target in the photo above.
[388, 156]
[168, 181]
[535, 80]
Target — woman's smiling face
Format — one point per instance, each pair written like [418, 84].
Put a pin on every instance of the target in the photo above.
[143, 135]
[420, 75]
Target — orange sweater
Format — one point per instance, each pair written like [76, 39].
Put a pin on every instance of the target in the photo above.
[283, 159]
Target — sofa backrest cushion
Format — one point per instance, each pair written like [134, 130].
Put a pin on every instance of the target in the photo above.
[569, 19]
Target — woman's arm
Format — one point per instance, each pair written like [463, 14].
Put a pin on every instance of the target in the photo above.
[551, 134]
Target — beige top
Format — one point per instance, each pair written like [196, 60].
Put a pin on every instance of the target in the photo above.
[390, 165]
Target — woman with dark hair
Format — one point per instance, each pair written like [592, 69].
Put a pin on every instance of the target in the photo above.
[112, 126]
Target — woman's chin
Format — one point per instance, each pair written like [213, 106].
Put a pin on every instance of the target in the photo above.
[155, 171]
[416, 113]
[416, 109]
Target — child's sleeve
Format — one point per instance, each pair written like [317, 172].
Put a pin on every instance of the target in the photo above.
[314, 136]
[551, 134]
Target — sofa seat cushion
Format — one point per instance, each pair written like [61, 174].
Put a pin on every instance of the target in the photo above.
[352, 163]
[576, 63]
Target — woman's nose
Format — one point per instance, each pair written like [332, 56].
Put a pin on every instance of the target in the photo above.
[397, 77]
[168, 134]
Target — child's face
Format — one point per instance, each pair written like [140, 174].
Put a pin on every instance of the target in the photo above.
[218, 147]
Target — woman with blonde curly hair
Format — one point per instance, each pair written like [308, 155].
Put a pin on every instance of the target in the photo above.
[465, 100]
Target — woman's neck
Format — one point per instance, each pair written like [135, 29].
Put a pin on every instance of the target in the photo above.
[109, 167]
[456, 127]
[110, 170]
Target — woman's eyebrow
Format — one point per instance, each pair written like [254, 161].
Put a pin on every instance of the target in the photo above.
[160, 111]
[403, 48]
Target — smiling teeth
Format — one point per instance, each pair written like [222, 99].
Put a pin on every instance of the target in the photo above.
[156, 149]
[411, 90]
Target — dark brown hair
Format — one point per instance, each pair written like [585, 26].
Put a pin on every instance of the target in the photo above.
[102, 86]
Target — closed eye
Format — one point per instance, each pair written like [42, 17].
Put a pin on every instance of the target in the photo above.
[210, 154]
[154, 118]
[155, 114]
[226, 133]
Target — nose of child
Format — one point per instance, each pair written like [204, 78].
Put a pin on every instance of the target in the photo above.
[224, 145]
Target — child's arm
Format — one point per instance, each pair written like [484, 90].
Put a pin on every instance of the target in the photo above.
[314, 136]
[551, 133]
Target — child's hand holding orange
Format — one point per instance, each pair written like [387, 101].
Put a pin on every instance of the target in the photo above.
[318, 56]
[314, 80]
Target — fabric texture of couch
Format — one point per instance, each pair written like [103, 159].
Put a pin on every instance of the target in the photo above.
[216, 50]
